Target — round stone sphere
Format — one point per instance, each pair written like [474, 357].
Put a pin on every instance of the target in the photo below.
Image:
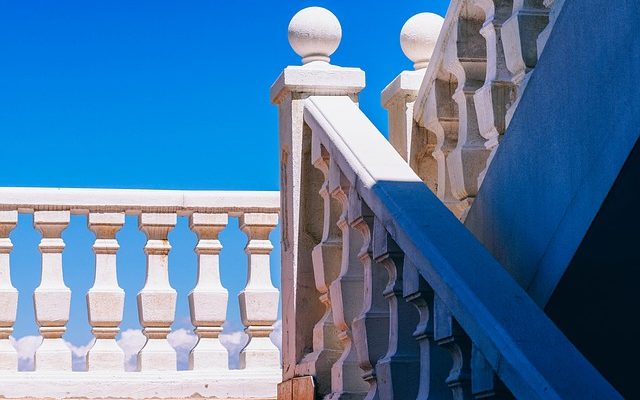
[418, 37]
[314, 34]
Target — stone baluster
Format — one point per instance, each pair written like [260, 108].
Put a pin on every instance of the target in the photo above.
[105, 300]
[519, 40]
[434, 360]
[371, 327]
[326, 258]
[157, 299]
[399, 370]
[347, 292]
[8, 293]
[52, 298]
[494, 98]
[208, 299]
[314, 34]
[441, 118]
[484, 382]
[465, 58]
[418, 39]
[448, 334]
[259, 299]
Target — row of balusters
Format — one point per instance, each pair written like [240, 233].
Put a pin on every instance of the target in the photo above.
[157, 299]
[488, 58]
[384, 333]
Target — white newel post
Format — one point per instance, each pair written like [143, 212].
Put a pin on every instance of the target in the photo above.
[157, 299]
[259, 299]
[418, 39]
[208, 299]
[52, 298]
[314, 34]
[105, 300]
[8, 294]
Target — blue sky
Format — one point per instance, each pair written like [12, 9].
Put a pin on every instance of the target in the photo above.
[160, 94]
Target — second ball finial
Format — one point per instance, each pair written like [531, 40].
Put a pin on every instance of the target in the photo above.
[314, 34]
[418, 37]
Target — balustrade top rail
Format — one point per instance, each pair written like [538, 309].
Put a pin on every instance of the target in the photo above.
[135, 201]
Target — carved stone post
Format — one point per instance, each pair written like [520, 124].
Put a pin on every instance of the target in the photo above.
[465, 58]
[326, 258]
[105, 300]
[347, 292]
[450, 335]
[314, 33]
[208, 299]
[399, 370]
[417, 39]
[52, 298]
[434, 360]
[484, 382]
[494, 97]
[371, 327]
[157, 299]
[259, 299]
[8, 293]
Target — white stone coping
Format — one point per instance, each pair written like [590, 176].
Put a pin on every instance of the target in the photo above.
[225, 384]
[523, 346]
[318, 79]
[136, 201]
[405, 84]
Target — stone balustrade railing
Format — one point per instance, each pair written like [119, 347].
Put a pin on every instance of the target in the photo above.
[208, 374]
[479, 60]
[386, 295]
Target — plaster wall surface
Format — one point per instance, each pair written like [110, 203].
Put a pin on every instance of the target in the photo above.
[569, 138]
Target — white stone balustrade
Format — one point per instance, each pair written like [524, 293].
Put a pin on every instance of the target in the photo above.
[157, 299]
[208, 299]
[8, 294]
[410, 250]
[479, 68]
[105, 300]
[258, 320]
[52, 298]
[208, 373]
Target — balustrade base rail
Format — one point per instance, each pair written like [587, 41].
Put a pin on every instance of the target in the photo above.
[156, 376]
[230, 384]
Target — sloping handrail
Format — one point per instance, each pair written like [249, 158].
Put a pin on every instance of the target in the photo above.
[525, 349]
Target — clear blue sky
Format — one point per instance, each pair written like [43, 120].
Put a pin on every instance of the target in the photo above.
[160, 94]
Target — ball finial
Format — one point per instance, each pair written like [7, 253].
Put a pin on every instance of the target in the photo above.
[314, 34]
[418, 38]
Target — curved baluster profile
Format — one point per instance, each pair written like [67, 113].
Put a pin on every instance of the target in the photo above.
[326, 267]
[371, 327]
[105, 300]
[450, 335]
[399, 370]
[434, 360]
[208, 299]
[465, 58]
[346, 294]
[8, 293]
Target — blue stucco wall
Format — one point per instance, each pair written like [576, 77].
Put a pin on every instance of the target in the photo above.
[576, 124]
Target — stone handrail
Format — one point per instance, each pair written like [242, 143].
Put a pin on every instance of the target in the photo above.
[208, 374]
[401, 243]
